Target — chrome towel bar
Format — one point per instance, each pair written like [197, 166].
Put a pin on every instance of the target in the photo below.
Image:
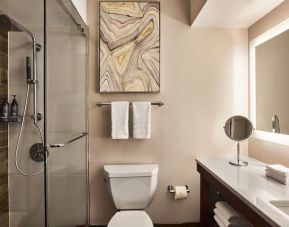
[109, 103]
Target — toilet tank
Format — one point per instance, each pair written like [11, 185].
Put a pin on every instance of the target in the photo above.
[132, 187]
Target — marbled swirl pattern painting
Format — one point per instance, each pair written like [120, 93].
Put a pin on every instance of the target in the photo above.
[129, 50]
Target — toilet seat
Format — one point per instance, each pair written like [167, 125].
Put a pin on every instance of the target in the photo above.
[131, 218]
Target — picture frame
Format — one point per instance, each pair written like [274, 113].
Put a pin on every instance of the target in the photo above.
[129, 47]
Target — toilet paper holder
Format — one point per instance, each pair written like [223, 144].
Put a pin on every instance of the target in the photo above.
[172, 190]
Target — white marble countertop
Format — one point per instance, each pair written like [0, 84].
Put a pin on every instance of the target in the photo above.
[251, 185]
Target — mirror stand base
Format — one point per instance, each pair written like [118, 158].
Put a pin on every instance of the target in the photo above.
[238, 163]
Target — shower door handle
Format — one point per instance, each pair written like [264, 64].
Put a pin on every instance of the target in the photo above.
[58, 145]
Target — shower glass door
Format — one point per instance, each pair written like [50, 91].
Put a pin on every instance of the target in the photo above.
[43, 62]
[66, 115]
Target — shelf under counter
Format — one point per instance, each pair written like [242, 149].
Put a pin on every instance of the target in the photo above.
[240, 187]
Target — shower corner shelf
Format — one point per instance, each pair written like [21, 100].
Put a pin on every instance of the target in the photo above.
[10, 119]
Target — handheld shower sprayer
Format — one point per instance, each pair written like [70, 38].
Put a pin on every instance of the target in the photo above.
[28, 69]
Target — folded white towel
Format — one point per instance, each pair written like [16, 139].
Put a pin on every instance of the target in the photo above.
[219, 222]
[279, 169]
[228, 212]
[236, 223]
[119, 120]
[141, 120]
[221, 216]
[277, 177]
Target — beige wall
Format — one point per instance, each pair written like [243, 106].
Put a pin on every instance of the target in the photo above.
[265, 151]
[204, 81]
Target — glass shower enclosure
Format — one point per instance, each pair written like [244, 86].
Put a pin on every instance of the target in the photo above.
[43, 131]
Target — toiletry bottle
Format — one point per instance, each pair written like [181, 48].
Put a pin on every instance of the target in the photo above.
[14, 109]
[5, 109]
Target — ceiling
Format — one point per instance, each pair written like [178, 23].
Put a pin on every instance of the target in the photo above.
[233, 13]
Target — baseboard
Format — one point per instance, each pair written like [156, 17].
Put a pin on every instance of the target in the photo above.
[178, 225]
[161, 225]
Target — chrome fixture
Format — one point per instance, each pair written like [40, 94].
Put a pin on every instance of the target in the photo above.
[10, 24]
[171, 189]
[109, 103]
[37, 152]
[238, 128]
[58, 145]
[275, 124]
[72, 18]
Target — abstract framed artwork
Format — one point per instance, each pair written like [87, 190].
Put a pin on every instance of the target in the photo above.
[129, 46]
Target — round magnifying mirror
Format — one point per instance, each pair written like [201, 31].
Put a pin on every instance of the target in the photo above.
[238, 128]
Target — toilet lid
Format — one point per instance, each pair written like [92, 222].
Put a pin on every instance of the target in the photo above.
[130, 219]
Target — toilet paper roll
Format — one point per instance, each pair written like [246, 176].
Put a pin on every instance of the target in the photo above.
[180, 192]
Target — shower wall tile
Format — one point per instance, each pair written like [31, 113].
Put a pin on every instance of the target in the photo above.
[4, 34]
[3, 138]
[4, 219]
[3, 92]
[3, 194]
[33, 217]
[3, 77]
[4, 197]
[3, 45]
[67, 190]
[3, 61]
[4, 162]
[73, 215]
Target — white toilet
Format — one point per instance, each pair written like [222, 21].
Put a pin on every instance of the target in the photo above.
[132, 188]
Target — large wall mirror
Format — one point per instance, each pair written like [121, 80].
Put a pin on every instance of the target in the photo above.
[269, 84]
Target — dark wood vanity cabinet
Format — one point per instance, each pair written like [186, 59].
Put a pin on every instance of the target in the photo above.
[213, 190]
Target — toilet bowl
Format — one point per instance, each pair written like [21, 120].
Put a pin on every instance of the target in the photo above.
[132, 188]
[130, 219]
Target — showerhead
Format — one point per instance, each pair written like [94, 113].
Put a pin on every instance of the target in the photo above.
[6, 24]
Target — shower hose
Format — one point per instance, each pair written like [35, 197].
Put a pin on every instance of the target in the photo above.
[20, 136]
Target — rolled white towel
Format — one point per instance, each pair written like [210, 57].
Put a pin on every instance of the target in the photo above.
[221, 217]
[277, 177]
[240, 223]
[228, 212]
[279, 169]
[219, 222]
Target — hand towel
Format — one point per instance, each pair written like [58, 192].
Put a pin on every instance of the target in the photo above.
[219, 222]
[277, 177]
[141, 120]
[279, 169]
[228, 212]
[119, 120]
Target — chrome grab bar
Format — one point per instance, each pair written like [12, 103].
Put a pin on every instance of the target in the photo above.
[57, 145]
